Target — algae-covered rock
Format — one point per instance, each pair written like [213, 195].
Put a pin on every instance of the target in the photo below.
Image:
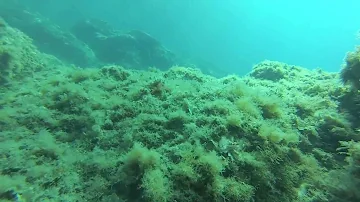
[269, 71]
[19, 58]
[116, 134]
[47, 36]
[350, 73]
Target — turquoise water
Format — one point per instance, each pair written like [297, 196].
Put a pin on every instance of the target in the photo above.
[232, 35]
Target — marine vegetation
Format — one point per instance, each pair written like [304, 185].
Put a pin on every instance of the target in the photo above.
[119, 134]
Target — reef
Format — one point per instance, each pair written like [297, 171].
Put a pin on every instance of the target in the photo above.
[121, 134]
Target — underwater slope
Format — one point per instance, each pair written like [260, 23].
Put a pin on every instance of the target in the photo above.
[90, 43]
[115, 134]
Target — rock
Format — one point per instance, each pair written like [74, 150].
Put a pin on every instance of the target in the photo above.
[133, 49]
[47, 36]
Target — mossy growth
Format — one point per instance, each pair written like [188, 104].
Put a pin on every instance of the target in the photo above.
[235, 190]
[346, 183]
[177, 120]
[5, 59]
[156, 186]
[240, 89]
[218, 107]
[158, 89]
[142, 176]
[81, 75]
[248, 106]
[270, 107]
[234, 120]
[352, 150]
[269, 71]
[140, 159]
[69, 101]
[351, 71]
[274, 134]
[198, 177]
[304, 108]
[270, 110]
[116, 73]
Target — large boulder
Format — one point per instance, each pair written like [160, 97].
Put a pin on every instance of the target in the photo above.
[132, 49]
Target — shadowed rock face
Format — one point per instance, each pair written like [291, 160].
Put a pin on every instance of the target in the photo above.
[135, 49]
[47, 36]
[90, 42]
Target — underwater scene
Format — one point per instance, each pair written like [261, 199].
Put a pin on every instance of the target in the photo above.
[90, 112]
